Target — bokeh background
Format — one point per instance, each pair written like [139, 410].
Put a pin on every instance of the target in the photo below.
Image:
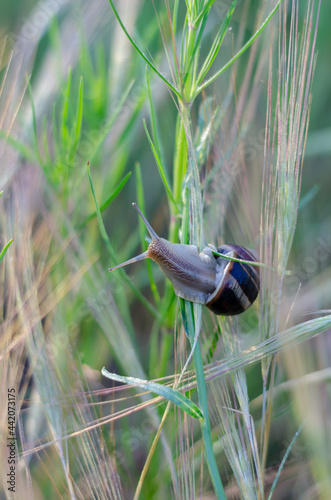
[48, 205]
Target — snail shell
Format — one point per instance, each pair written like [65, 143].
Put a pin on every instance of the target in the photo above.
[239, 284]
[224, 286]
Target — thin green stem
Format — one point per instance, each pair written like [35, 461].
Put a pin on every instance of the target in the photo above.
[205, 425]
[179, 172]
[203, 404]
[180, 160]
[5, 248]
[105, 237]
[188, 75]
[239, 53]
[150, 64]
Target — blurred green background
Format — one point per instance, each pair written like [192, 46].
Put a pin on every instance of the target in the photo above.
[83, 40]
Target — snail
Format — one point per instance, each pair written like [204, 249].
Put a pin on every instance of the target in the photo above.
[226, 287]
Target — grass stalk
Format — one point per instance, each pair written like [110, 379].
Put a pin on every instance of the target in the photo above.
[188, 318]
[63, 318]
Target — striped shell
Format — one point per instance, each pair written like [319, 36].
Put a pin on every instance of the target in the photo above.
[238, 285]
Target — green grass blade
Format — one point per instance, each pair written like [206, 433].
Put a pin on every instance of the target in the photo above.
[308, 197]
[162, 171]
[240, 52]
[168, 393]
[109, 123]
[108, 201]
[98, 212]
[249, 262]
[44, 142]
[285, 457]
[195, 54]
[64, 128]
[175, 17]
[110, 249]
[216, 44]
[5, 248]
[79, 119]
[142, 231]
[208, 121]
[203, 13]
[56, 138]
[155, 129]
[188, 314]
[150, 64]
[271, 346]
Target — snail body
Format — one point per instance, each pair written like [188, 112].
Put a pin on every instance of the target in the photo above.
[224, 286]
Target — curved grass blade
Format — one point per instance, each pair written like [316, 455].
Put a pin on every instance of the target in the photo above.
[162, 171]
[285, 457]
[79, 119]
[216, 44]
[7, 245]
[192, 325]
[271, 346]
[249, 262]
[5, 248]
[204, 12]
[150, 64]
[308, 197]
[240, 52]
[108, 201]
[208, 121]
[195, 54]
[154, 123]
[65, 111]
[168, 393]
[110, 249]
[175, 17]
[142, 231]
[110, 122]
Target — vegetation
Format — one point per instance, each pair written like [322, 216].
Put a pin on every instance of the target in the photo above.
[199, 112]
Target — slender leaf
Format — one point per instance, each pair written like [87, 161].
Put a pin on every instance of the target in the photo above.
[106, 239]
[44, 142]
[203, 13]
[273, 345]
[142, 227]
[240, 52]
[56, 138]
[79, 119]
[195, 54]
[249, 262]
[162, 171]
[5, 248]
[110, 122]
[108, 201]
[155, 130]
[216, 44]
[308, 197]
[64, 127]
[168, 393]
[150, 64]
[285, 457]
[175, 17]
[192, 329]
